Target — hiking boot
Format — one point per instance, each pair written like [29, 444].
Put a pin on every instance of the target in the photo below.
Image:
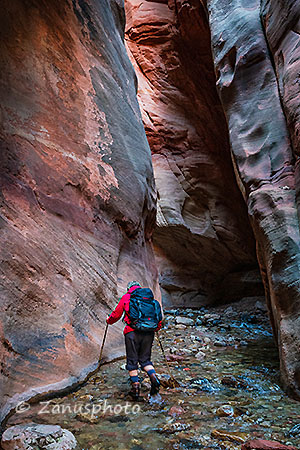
[155, 384]
[135, 391]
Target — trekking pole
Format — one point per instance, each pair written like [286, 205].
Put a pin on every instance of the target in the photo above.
[101, 351]
[174, 381]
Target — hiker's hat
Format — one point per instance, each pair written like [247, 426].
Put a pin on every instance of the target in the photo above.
[132, 283]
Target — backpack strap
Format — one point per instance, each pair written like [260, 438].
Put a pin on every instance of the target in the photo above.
[139, 308]
[157, 310]
[125, 315]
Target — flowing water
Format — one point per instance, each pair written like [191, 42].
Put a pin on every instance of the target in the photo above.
[229, 393]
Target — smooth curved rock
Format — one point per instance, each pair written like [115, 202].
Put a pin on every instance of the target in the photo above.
[264, 160]
[281, 22]
[77, 191]
[205, 249]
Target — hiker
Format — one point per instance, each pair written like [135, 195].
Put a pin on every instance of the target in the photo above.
[143, 316]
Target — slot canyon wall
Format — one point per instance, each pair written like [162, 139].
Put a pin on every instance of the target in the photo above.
[77, 191]
[205, 248]
[257, 80]
[78, 200]
[203, 235]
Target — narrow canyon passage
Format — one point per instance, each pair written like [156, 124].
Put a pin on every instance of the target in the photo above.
[155, 141]
[214, 100]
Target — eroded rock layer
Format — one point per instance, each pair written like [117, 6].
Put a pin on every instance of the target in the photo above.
[204, 244]
[281, 22]
[77, 190]
[262, 150]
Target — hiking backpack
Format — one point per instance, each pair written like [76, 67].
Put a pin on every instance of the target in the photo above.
[144, 311]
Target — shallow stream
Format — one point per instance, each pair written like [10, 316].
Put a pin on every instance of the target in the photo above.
[228, 393]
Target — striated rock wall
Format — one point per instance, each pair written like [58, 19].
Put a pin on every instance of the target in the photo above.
[77, 190]
[253, 84]
[203, 238]
[205, 249]
[281, 22]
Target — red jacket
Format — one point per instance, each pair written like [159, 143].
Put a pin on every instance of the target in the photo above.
[122, 306]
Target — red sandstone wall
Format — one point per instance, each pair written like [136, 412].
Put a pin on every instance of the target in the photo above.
[77, 190]
[205, 249]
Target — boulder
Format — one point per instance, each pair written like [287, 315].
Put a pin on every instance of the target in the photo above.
[184, 320]
[32, 435]
[261, 444]
[200, 355]
[176, 411]
[225, 411]
[230, 436]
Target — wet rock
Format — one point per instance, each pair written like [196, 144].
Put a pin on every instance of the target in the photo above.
[220, 343]
[117, 419]
[200, 355]
[194, 347]
[203, 384]
[295, 430]
[261, 306]
[184, 320]
[187, 351]
[174, 427]
[248, 318]
[85, 397]
[176, 411]
[240, 411]
[146, 383]
[168, 382]
[175, 357]
[225, 411]
[137, 442]
[97, 379]
[229, 436]
[173, 312]
[261, 444]
[236, 382]
[186, 443]
[211, 317]
[87, 418]
[32, 436]
[173, 350]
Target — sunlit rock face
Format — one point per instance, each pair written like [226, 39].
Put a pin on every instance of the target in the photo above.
[77, 190]
[205, 249]
[262, 150]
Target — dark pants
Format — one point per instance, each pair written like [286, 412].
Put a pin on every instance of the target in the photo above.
[138, 348]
